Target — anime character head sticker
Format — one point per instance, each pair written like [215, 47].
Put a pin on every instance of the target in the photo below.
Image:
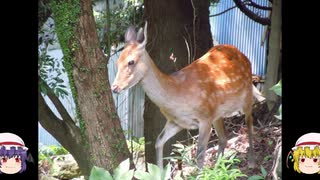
[13, 154]
[305, 155]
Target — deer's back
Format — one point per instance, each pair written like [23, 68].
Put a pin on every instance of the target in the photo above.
[218, 81]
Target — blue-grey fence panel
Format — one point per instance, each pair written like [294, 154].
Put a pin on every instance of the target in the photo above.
[235, 28]
[45, 138]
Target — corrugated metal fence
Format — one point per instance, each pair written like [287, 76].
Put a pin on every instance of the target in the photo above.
[232, 27]
[235, 28]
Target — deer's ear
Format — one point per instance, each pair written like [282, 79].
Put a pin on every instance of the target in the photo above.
[142, 36]
[131, 35]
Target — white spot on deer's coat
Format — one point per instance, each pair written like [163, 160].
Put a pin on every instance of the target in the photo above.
[203, 94]
[222, 81]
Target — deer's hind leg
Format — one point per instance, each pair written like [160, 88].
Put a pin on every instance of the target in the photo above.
[221, 133]
[204, 135]
[249, 122]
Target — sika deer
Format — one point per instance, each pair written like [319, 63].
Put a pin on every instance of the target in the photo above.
[199, 95]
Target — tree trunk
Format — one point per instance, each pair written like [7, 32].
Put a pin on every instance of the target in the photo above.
[274, 55]
[101, 135]
[170, 24]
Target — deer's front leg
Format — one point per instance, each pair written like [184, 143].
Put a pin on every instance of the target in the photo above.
[204, 135]
[169, 130]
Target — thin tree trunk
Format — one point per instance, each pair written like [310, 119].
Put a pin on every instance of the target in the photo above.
[274, 55]
[170, 24]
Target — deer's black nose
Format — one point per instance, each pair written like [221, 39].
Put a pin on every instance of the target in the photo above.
[115, 89]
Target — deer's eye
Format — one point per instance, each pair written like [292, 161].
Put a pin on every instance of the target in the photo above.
[131, 62]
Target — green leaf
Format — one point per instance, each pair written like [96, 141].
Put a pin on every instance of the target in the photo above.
[174, 157]
[280, 112]
[154, 171]
[263, 171]
[277, 88]
[98, 173]
[121, 169]
[62, 86]
[141, 140]
[179, 146]
[267, 158]
[178, 176]
[43, 89]
[142, 175]
[58, 80]
[166, 172]
[60, 92]
[126, 176]
[255, 177]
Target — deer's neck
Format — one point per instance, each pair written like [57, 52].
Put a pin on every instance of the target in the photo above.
[159, 87]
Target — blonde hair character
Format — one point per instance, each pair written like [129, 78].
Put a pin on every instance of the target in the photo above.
[306, 154]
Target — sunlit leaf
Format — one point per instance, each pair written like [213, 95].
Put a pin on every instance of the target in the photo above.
[122, 168]
[277, 88]
[98, 173]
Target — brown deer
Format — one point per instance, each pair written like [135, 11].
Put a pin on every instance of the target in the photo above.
[199, 95]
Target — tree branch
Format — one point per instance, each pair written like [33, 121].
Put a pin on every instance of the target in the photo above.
[59, 106]
[218, 14]
[261, 20]
[48, 119]
[253, 4]
[47, 116]
[68, 136]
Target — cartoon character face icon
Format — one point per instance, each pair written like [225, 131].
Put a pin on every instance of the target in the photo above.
[306, 154]
[13, 154]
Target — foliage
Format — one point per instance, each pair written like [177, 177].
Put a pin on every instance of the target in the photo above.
[122, 172]
[50, 150]
[154, 173]
[258, 177]
[214, 2]
[98, 173]
[49, 68]
[136, 144]
[225, 168]
[278, 90]
[182, 153]
[124, 15]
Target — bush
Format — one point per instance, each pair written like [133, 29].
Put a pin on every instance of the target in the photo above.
[51, 150]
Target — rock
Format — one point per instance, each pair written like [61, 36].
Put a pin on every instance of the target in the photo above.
[65, 167]
[47, 177]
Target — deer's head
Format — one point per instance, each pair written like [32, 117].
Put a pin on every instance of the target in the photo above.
[131, 64]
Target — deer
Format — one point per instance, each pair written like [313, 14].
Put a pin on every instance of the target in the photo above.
[195, 97]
